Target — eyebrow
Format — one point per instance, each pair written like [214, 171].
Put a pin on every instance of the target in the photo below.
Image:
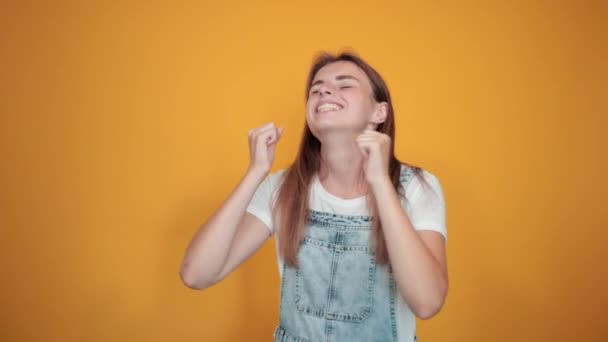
[338, 78]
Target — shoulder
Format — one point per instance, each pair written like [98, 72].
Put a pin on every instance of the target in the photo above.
[418, 182]
[273, 181]
[276, 177]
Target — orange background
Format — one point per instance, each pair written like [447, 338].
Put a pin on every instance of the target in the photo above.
[124, 125]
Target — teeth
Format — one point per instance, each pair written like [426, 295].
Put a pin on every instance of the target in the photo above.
[327, 107]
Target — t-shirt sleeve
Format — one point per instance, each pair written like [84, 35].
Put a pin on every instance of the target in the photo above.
[260, 205]
[427, 205]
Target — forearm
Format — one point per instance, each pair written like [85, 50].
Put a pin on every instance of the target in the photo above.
[209, 248]
[420, 278]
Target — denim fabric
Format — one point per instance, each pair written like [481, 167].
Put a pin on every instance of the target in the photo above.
[338, 293]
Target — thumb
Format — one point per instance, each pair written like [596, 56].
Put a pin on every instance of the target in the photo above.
[364, 151]
[371, 126]
[275, 139]
[280, 132]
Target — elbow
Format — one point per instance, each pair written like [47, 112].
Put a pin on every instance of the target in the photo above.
[430, 307]
[425, 312]
[192, 283]
[191, 280]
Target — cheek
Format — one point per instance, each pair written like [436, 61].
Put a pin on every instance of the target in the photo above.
[309, 106]
[368, 104]
[309, 113]
[359, 104]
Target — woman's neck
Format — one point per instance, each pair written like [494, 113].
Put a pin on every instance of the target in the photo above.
[342, 169]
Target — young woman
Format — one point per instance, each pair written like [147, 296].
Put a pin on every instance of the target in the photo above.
[360, 235]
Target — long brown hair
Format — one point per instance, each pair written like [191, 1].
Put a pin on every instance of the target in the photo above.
[291, 206]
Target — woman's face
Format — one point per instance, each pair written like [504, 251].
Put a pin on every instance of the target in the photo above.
[341, 100]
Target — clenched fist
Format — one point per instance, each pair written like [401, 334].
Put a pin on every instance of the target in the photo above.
[262, 143]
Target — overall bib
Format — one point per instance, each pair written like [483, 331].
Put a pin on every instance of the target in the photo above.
[339, 292]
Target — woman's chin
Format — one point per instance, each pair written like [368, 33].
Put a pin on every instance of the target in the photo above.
[328, 128]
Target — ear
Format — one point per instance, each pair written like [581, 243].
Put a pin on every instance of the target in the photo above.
[380, 113]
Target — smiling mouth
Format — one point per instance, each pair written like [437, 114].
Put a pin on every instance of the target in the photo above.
[328, 107]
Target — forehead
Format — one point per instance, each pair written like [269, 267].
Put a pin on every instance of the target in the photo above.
[340, 68]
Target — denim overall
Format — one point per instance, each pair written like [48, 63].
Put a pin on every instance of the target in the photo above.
[339, 293]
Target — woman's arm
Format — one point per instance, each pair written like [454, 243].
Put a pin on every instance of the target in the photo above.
[231, 235]
[212, 245]
[418, 257]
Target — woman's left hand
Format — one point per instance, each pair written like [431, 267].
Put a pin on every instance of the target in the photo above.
[375, 147]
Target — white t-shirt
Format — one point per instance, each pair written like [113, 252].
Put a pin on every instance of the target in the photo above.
[425, 209]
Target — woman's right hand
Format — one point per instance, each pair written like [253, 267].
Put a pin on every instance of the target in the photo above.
[262, 143]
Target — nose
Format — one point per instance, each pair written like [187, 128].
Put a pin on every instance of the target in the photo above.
[325, 90]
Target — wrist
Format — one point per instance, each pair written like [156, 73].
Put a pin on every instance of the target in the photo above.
[381, 185]
[257, 172]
